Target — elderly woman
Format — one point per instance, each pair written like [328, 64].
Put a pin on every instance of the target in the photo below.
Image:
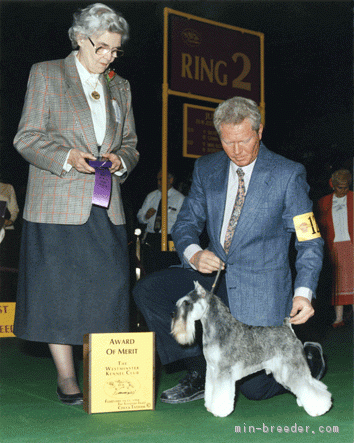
[74, 267]
[336, 224]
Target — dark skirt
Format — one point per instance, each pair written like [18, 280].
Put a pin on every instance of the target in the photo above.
[73, 280]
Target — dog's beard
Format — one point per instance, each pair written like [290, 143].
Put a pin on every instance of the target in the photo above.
[183, 332]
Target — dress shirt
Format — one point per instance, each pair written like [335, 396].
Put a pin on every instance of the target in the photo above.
[152, 200]
[232, 192]
[340, 219]
[98, 108]
[230, 201]
[92, 82]
[232, 187]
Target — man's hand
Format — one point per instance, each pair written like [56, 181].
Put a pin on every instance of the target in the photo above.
[77, 159]
[115, 160]
[302, 310]
[206, 262]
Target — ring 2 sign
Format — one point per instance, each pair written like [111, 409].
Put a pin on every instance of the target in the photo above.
[211, 60]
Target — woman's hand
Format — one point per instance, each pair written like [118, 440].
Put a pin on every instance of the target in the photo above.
[115, 160]
[77, 159]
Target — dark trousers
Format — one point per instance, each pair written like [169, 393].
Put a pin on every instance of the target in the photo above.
[156, 296]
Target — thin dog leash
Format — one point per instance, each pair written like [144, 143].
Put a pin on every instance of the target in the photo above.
[216, 278]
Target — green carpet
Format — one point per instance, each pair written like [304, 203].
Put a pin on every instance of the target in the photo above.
[31, 412]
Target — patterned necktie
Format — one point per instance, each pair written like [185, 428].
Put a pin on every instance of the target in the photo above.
[240, 198]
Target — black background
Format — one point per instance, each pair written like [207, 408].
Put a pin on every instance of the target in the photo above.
[308, 80]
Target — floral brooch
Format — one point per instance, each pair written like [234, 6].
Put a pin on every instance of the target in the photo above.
[109, 75]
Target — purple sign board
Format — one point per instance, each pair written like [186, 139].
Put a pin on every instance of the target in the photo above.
[214, 60]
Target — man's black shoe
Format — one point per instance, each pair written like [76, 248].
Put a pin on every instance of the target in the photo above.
[190, 388]
[315, 360]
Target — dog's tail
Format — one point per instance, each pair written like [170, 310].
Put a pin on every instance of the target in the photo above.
[286, 322]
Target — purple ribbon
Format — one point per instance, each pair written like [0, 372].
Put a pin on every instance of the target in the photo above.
[103, 182]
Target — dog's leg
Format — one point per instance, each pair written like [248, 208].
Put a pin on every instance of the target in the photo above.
[310, 393]
[223, 394]
[209, 387]
[313, 395]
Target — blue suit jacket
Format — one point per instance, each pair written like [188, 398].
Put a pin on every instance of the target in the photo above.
[258, 275]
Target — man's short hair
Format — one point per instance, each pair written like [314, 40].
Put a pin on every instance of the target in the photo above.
[235, 110]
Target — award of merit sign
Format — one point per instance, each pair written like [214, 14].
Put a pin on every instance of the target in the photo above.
[119, 372]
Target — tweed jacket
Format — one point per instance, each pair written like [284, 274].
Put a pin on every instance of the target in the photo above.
[258, 273]
[56, 118]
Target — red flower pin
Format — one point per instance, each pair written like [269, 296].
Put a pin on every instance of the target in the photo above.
[110, 75]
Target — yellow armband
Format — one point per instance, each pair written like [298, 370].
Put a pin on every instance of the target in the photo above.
[306, 227]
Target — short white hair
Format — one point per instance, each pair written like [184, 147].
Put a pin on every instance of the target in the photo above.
[96, 19]
[235, 110]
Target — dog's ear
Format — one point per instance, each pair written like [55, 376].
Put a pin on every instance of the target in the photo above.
[200, 290]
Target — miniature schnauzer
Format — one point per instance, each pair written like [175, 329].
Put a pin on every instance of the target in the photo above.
[234, 350]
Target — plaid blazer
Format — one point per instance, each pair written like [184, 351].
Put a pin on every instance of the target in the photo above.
[56, 118]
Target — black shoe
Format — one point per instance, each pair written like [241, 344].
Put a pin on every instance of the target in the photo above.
[74, 399]
[190, 388]
[315, 360]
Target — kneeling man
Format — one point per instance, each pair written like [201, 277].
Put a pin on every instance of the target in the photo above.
[251, 201]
